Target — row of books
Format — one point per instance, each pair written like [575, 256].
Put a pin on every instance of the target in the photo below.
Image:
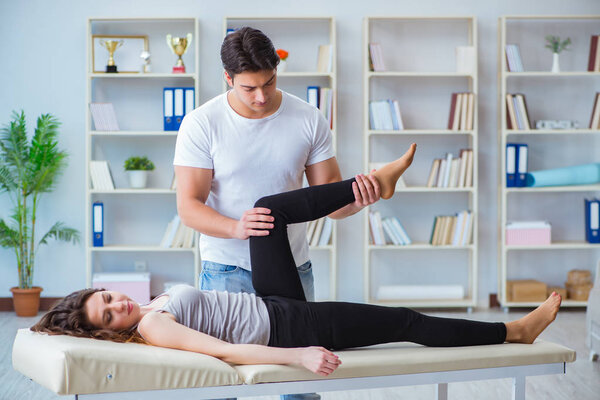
[592, 220]
[513, 58]
[325, 58]
[385, 115]
[516, 164]
[595, 118]
[104, 117]
[177, 235]
[101, 176]
[322, 98]
[376, 58]
[387, 230]
[462, 108]
[452, 172]
[594, 57]
[517, 116]
[452, 230]
[318, 232]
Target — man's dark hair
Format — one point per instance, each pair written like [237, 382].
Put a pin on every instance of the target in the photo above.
[248, 49]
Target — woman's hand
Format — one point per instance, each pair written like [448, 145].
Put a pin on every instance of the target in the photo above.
[319, 360]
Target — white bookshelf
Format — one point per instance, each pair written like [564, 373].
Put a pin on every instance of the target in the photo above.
[301, 37]
[564, 95]
[419, 54]
[136, 219]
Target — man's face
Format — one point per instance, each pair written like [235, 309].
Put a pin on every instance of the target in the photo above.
[255, 90]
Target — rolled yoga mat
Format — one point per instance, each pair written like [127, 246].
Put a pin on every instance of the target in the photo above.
[585, 174]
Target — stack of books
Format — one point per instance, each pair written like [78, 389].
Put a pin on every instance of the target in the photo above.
[318, 232]
[101, 177]
[103, 115]
[452, 172]
[595, 118]
[382, 229]
[385, 115]
[452, 230]
[321, 98]
[594, 58]
[177, 235]
[513, 58]
[517, 117]
[325, 58]
[461, 115]
[376, 58]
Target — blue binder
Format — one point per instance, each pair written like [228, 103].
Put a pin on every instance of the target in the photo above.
[511, 165]
[98, 224]
[168, 107]
[592, 221]
[313, 93]
[522, 164]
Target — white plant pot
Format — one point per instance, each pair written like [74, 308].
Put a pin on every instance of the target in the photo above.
[282, 66]
[137, 179]
[555, 66]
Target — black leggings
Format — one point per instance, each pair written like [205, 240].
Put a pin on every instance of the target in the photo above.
[337, 325]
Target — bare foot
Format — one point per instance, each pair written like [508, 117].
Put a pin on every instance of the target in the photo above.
[388, 175]
[528, 328]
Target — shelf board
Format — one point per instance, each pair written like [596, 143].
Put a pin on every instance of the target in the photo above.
[309, 74]
[550, 74]
[556, 246]
[425, 303]
[418, 246]
[133, 133]
[417, 74]
[125, 248]
[553, 189]
[124, 75]
[416, 189]
[565, 303]
[419, 132]
[133, 191]
[551, 131]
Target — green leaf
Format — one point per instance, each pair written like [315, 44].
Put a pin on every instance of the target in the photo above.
[9, 237]
[62, 233]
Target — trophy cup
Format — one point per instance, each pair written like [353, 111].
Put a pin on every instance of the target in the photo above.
[178, 46]
[111, 46]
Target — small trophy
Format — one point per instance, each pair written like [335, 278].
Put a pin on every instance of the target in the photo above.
[179, 46]
[145, 67]
[111, 46]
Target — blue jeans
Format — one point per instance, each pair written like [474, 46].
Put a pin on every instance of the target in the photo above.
[231, 278]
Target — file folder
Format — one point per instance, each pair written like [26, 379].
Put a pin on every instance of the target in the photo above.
[312, 95]
[592, 221]
[168, 100]
[178, 107]
[522, 165]
[511, 165]
[189, 100]
[98, 224]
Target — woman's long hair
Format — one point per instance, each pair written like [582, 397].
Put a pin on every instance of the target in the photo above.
[68, 317]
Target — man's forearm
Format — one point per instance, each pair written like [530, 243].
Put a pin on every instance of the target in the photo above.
[206, 220]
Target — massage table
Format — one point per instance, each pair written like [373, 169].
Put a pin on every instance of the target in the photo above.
[95, 369]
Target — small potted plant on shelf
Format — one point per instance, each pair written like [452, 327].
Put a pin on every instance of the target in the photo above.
[137, 168]
[283, 55]
[27, 170]
[556, 45]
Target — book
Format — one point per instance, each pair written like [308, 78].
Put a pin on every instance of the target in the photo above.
[433, 173]
[104, 117]
[469, 171]
[391, 234]
[403, 235]
[593, 53]
[595, 118]
[462, 168]
[325, 58]
[511, 117]
[398, 115]
[463, 112]
[376, 57]
[447, 169]
[470, 109]
[513, 58]
[101, 176]
[454, 173]
[522, 111]
[457, 112]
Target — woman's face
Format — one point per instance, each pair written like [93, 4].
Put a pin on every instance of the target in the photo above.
[112, 310]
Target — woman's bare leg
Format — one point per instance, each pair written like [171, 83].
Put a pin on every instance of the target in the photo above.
[388, 175]
[528, 328]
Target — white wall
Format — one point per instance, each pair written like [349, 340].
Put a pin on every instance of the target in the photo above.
[43, 71]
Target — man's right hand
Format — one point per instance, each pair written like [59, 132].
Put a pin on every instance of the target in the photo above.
[254, 222]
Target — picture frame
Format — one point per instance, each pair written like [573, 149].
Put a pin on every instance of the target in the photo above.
[127, 56]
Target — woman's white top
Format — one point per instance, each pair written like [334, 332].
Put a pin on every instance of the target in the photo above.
[232, 317]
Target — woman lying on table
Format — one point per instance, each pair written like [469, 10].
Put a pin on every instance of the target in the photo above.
[279, 326]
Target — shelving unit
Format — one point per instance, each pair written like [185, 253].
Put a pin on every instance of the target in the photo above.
[562, 95]
[419, 53]
[135, 219]
[301, 37]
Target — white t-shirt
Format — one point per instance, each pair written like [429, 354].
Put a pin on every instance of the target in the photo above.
[252, 158]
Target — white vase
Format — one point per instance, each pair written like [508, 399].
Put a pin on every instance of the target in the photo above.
[137, 179]
[555, 66]
[282, 65]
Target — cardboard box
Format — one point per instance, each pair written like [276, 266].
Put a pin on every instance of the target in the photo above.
[134, 284]
[526, 290]
[532, 233]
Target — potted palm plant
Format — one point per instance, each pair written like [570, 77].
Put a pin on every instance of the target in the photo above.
[27, 170]
[137, 168]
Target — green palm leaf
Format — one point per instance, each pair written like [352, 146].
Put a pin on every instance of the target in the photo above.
[62, 233]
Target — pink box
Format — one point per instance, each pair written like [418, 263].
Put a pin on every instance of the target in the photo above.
[528, 233]
[134, 284]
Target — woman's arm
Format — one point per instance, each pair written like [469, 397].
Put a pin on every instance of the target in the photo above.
[160, 330]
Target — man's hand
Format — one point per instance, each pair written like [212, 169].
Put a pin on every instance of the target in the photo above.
[319, 360]
[366, 190]
[254, 222]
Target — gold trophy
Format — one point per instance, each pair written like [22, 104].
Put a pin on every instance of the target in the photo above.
[178, 46]
[111, 46]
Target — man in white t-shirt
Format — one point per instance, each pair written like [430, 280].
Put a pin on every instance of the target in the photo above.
[254, 140]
